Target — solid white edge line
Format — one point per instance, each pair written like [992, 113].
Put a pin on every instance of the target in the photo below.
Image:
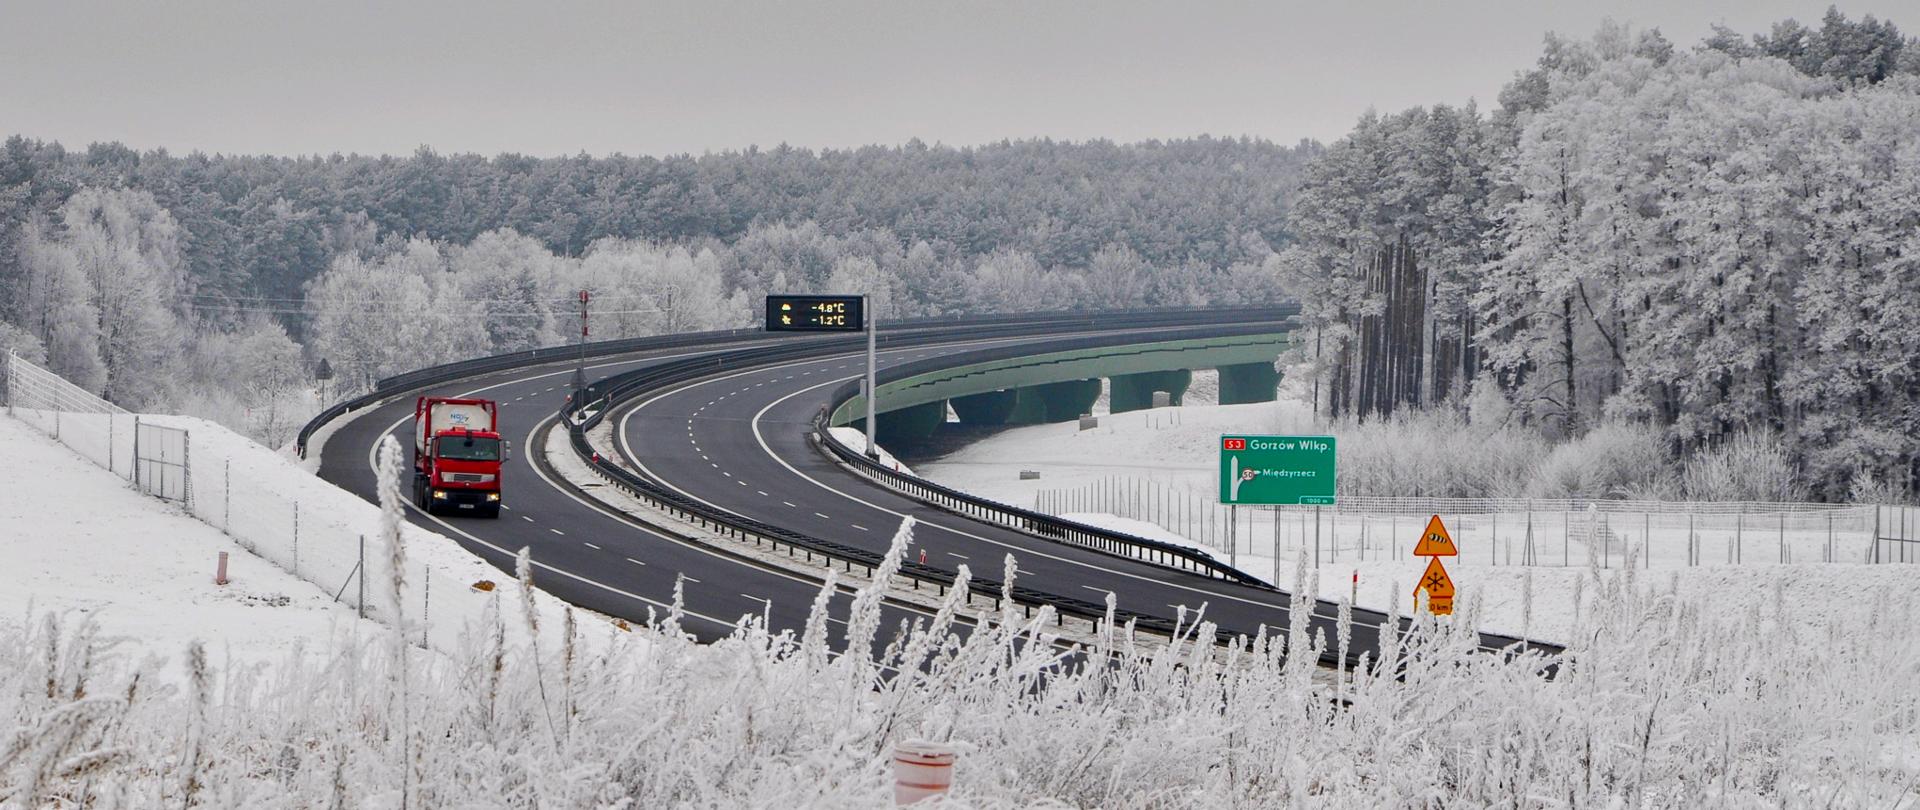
[761, 438]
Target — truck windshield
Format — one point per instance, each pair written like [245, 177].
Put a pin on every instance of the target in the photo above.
[469, 448]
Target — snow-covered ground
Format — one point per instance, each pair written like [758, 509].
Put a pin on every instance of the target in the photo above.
[1175, 448]
[77, 542]
[1173, 445]
[1749, 703]
[857, 441]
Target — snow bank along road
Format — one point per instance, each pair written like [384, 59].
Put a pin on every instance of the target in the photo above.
[737, 440]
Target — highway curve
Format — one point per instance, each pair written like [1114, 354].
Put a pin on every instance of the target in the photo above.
[739, 441]
[584, 553]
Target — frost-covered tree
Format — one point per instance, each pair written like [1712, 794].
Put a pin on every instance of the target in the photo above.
[859, 275]
[641, 288]
[1015, 282]
[122, 250]
[372, 319]
[509, 280]
[53, 301]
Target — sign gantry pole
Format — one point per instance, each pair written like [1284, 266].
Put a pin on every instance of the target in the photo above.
[866, 304]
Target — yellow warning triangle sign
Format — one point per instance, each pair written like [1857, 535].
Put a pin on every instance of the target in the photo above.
[1435, 542]
[1435, 581]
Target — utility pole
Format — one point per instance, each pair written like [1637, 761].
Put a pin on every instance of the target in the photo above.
[866, 306]
[580, 370]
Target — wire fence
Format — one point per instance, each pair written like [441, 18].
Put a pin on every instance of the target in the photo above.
[1511, 531]
[287, 517]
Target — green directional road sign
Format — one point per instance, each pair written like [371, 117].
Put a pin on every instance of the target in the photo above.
[1276, 469]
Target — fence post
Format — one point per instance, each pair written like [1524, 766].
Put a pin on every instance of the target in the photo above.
[361, 603]
[136, 452]
[1739, 537]
[1783, 538]
[186, 469]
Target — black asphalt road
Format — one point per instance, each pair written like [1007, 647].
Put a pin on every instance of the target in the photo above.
[582, 554]
[739, 441]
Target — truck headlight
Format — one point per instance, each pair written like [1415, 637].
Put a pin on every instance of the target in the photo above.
[439, 494]
[493, 497]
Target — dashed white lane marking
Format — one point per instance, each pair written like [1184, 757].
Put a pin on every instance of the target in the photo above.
[763, 493]
[689, 579]
[558, 532]
[527, 519]
[757, 598]
[506, 507]
[703, 457]
[743, 483]
[591, 546]
[727, 474]
[961, 556]
[823, 515]
[634, 561]
[1092, 588]
[714, 464]
[790, 503]
[860, 527]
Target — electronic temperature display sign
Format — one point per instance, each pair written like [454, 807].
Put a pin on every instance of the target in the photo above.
[815, 313]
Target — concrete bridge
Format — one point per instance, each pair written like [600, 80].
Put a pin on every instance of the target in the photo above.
[1061, 386]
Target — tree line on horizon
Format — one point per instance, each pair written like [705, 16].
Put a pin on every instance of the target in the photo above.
[1705, 243]
[137, 274]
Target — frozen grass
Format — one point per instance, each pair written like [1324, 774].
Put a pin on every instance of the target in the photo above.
[1658, 703]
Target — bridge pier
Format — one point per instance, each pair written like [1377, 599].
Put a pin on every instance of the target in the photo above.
[990, 408]
[1061, 401]
[1134, 392]
[909, 424]
[1244, 383]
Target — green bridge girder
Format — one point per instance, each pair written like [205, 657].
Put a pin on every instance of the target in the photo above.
[985, 388]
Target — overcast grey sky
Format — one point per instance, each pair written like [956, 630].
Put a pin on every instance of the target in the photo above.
[658, 77]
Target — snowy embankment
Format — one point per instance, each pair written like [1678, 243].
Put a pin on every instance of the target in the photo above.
[1661, 703]
[1177, 447]
[857, 441]
[79, 544]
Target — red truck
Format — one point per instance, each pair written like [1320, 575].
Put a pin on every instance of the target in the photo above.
[457, 455]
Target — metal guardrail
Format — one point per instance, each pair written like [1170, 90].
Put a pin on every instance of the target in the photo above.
[1039, 524]
[587, 413]
[448, 372]
[584, 414]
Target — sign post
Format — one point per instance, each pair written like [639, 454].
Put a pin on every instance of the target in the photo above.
[1435, 543]
[873, 449]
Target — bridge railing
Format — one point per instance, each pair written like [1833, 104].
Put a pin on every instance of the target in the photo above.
[583, 417]
[448, 372]
[600, 398]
